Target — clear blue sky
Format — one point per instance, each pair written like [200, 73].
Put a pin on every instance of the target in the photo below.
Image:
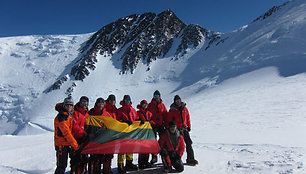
[42, 17]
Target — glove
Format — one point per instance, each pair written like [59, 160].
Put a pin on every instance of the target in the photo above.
[85, 137]
[142, 121]
[163, 152]
[188, 129]
[129, 122]
[75, 152]
[177, 156]
[174, 155]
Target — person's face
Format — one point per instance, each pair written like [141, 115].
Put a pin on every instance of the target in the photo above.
[157, 97]
[84, 104]
[172, 129]
[68, 108]
[112, 102]
[178, 103]
[101, 105]
[145, 106]
[127, 102]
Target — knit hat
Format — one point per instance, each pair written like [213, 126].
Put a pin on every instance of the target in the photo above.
[143, 102]
[84, 98]
[111, 97]
[156, 93]
[172, 123]
[68, 101]
[99, 100]
[126, 97]
[177, 97]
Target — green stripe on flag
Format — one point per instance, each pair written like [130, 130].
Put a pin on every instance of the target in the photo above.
[104, 135]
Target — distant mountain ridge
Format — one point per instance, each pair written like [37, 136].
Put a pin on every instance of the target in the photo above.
[140, 52]
[147, 36]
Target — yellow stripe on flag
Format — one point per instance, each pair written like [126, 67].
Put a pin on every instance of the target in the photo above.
[111, 123]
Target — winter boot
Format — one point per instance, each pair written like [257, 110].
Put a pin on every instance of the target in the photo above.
[130, 166]
[141, 163]
[192, 162]
[121, 168]
[154, 159]
[167, 169]
[148, 165]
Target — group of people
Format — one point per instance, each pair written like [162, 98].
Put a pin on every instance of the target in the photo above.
[172, 127]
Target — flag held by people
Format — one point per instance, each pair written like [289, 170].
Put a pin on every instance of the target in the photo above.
[114, 137]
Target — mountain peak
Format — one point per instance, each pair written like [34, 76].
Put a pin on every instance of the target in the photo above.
[270, 12]
[137, 37]
[168, 12]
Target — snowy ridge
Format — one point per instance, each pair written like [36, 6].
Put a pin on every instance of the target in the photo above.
[140, 37]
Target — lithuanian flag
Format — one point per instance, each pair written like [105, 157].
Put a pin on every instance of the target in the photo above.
[114, 137]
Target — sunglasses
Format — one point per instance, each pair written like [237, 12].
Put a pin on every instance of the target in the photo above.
[84, 102]
[127, 100]
[156, 95]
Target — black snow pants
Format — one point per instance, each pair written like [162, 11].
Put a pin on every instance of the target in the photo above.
[62, 153]
[175, 160]
[188, 142]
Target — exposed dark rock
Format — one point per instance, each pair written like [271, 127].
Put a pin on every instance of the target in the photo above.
[270, 12]
[143, 37]
[57, 84]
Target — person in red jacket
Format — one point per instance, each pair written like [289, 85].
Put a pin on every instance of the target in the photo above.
[159, 114]
[63, 138]
[172, 148]
[180, 114]
[95, 161]
[78, 161]
[111, 105]
[144, 115]
[128, 115]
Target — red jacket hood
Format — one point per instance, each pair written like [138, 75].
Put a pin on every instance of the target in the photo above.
[77, 107]
[123, 105]
[97, 111]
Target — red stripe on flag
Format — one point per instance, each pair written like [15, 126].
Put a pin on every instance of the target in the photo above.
[122, 146]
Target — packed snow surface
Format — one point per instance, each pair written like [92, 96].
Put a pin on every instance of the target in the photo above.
[254, 123]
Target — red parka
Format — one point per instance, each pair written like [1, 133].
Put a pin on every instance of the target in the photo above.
[159, 112]
[165, 142]
[180, 115]
[126, 112]
[111, 109]
[145, 114]
[62, 128]
[78, 121]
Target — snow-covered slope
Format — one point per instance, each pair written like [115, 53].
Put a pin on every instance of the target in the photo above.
[33, 64]
[30, 64]
[254, 123]
[278, 40]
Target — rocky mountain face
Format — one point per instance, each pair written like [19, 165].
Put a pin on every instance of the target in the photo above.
[270, 12]
[140, 37]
